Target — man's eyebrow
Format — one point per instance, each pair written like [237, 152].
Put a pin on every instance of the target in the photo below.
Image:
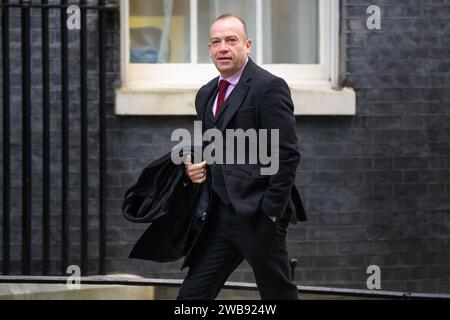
[227, 37]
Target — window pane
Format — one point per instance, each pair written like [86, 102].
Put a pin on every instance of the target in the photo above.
[291, 31]
[208, 10]
[159, 31]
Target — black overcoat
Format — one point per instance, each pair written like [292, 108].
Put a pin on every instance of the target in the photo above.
[175, 210]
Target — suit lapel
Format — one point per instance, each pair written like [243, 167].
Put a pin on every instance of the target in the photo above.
[235, 99]
[205, 97]
[232, 104]
[208, 115]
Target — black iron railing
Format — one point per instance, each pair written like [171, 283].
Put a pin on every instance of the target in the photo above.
[43, 7]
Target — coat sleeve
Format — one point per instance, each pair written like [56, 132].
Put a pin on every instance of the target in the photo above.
[277, 112]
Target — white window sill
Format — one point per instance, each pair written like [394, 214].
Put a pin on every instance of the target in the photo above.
[167, 100]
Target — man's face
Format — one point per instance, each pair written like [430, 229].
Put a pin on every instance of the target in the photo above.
[228, 45]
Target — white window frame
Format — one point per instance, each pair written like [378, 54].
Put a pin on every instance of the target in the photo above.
[153, 88]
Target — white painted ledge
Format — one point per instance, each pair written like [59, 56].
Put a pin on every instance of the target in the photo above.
[180, 101]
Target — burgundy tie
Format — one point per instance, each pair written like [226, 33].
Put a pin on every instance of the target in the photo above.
[223, 86]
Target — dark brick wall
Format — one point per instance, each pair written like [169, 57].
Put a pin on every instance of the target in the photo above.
[376, 185]
[394, 155]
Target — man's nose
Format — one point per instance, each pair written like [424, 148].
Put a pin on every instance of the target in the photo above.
[223, 46]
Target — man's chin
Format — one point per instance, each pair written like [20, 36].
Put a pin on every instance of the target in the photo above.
[224, 67]
[227, 70]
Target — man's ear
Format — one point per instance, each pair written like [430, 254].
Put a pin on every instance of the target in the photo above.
[249, 43]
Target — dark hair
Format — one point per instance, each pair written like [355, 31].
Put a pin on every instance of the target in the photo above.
[229, 15]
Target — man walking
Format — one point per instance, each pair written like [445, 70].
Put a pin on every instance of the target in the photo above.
[253, 210]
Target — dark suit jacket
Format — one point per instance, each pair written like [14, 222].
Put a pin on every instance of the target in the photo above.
[260, 101]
